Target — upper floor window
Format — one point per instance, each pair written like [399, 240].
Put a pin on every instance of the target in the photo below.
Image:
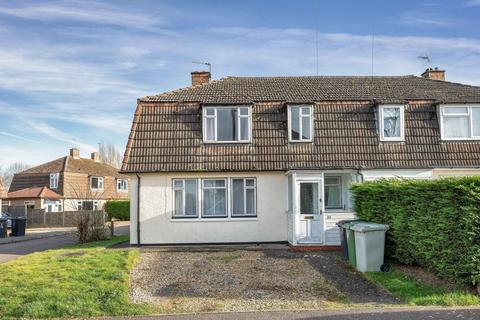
[300, 123]
[96, 183]
[460, 122]
[54, 180]
[392, 127]
[227, 124]
[122, 185]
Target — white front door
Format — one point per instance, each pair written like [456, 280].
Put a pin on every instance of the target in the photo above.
[309, 211]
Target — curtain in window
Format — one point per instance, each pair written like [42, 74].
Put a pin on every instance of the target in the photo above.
[456, 127]
[226, 124]
[391, 122]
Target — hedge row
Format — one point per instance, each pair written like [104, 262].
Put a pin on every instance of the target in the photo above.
[434, 223]
[119, 209]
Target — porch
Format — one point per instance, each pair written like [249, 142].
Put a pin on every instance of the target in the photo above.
[317, 200]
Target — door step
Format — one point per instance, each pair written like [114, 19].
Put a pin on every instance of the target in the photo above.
[314, 248]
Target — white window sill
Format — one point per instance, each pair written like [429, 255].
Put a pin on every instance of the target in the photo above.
[227, 142]
[392, 140]
[460, 139]
[213, 219]
[300, 141]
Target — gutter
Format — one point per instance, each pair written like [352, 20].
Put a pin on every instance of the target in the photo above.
[138, 209]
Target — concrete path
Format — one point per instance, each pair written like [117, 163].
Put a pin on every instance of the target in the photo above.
[10, 251]
[354, 314]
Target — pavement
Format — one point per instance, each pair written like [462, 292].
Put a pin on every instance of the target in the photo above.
[46, 240]
[409, 313]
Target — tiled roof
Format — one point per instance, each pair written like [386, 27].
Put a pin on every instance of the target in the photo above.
[310, 89]
[168, 137]
[35, 192]
[70, 164]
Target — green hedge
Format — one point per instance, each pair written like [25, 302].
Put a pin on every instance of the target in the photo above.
[434, 223]
[119, 209]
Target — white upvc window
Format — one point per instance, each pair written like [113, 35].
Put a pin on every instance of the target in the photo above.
[460, 122]
[96, 183]
[227, 124]
[300, 123]
[243, 197]
[87, 205]
[185, 198]
[333, 192]
[392, 122]
[214, 198]
[54, 180]
[122, 185]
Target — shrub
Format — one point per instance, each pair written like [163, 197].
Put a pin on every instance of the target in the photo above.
[91, 226]
[119, 209]
[434, 223]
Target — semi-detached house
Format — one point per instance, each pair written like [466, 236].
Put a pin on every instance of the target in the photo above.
[267, 159]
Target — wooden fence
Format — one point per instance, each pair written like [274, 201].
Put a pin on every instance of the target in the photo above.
[38, 218]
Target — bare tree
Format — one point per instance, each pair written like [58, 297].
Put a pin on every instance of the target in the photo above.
[8, 172]
[110, 154]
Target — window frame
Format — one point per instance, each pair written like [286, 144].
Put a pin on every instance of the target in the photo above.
[300, 116]
[184, 216]
[245, 188]
[469, 115]
[340, 185]
[55, 178]
[125, 185]
[100, 179]
[381, 122]
[228, 198]
[215, 127]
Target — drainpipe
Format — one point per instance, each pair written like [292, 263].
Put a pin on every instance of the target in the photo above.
[360, 173]
[138, 209]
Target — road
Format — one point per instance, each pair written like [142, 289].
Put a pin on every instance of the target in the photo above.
[355, 314]
[11, 251]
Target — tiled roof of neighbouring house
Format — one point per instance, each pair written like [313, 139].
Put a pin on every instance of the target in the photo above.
[166, 133]
[33, 193]
[310, 89]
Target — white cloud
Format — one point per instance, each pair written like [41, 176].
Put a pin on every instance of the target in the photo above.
[472, 3]
[427, 19]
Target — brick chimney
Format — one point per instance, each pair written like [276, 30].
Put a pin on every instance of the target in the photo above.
[95, 156]
[434, 74]
[200, 77]
[75, 153]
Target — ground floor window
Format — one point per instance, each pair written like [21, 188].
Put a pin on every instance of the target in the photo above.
[214, 198]
[87, 205]
[333, 192]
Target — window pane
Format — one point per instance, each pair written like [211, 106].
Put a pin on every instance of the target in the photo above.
[305, 111]
[456, 127]
[332, 180]
[476, 122]
[190, 197]
[94, 183]
[178, 203]
[455, 110]
[332, 196]
[237, 195]
[244, 111]
[178, 184]
[244, 129]
[250, 182]
[226, 124]
[391, 122]
[87, 205]
[214, 202]
[308, 198]
[306, 128]
[250, 201]
[210, 129]
[210, 112]
[295, 128]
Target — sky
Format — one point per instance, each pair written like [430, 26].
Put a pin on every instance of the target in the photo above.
[71, 71]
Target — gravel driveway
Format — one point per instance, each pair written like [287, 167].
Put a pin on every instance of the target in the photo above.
[239, 279]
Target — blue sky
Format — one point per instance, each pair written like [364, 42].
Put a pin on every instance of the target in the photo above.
[71, 71]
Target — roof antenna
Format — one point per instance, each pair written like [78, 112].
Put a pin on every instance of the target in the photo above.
[204, 63]
[425, 59]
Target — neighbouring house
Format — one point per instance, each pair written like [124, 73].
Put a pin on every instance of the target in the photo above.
[69, 183]
[267, 159]
[3, 194]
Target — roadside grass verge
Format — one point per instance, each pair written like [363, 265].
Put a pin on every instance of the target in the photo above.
[420, 293]
[83, 280]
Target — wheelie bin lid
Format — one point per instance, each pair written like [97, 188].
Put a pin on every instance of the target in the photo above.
[342, 222]
[369, 226]
[351, 223]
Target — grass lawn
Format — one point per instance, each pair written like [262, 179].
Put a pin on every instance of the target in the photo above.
[420, 293]
[80, 280]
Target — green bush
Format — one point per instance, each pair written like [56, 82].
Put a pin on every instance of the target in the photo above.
[434, 223]
[119, 209]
